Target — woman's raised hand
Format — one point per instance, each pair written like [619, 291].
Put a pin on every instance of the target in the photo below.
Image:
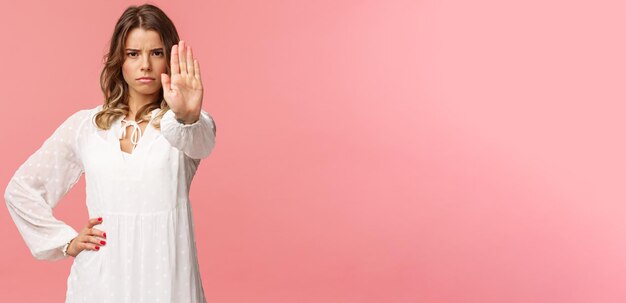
[88, 238]
[183, 91]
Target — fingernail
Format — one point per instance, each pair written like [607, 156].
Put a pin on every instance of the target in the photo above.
[102, 242]
[97, 247]
[104, 234]
[100, 219]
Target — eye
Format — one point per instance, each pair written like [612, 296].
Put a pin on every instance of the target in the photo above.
[159, 53]
[130, 54]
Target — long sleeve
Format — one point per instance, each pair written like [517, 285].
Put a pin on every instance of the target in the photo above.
[38, 185]
[196, 140]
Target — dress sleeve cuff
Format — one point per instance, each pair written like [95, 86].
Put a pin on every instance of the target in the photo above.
[196, 140]
[53, 250]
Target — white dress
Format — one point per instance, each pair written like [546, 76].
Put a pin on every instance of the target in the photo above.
[143, 198]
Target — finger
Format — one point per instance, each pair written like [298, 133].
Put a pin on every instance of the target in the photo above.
[94, 240]
[99, 233]
[189, 62]
[174, 61]
[94, 221]
[91, 246]
[87, 246]
[197, 68]
[181, 58]
[166, 82]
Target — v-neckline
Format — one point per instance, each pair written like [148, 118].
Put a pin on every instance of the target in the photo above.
[125, 156]
[139, 141]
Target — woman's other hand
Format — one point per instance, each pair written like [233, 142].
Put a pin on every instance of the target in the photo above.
[88, 238]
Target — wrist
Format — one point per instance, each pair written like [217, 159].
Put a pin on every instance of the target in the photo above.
[186, 119]
[66, 248]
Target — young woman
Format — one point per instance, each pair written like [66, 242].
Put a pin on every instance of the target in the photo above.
[139, 151]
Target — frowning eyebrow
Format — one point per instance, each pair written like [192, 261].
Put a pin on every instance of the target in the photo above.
[154, 49]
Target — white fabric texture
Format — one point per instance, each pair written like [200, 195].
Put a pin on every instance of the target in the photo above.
[143, 198]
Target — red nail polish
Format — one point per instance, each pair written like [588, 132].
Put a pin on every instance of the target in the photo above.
[100, 219]
[102, 242]
[97, 247]
[105, 235]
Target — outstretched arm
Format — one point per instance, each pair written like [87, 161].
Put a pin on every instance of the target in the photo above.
[186, 126]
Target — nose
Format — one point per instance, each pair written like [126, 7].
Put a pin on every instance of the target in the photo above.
[145, 64]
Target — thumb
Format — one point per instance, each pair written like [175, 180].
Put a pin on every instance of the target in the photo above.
[165, 81]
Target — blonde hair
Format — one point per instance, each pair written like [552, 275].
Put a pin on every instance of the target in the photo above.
[112, 83]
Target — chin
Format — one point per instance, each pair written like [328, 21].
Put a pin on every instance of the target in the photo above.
[146, 91]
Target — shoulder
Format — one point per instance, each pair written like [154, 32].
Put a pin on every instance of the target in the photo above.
[79, 117]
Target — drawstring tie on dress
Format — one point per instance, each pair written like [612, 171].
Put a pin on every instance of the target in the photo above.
[135, 135]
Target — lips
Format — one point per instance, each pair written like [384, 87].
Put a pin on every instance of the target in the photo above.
[145, 80]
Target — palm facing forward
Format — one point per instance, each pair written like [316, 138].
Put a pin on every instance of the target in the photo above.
[183, 92]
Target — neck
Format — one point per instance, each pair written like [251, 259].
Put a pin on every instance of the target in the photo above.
[136, 102]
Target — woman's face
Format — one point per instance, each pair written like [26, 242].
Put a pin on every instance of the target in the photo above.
[144, 56]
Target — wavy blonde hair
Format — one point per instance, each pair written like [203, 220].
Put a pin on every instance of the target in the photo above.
[112, 83]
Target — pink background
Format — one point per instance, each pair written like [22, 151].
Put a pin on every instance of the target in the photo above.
[367, 151]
